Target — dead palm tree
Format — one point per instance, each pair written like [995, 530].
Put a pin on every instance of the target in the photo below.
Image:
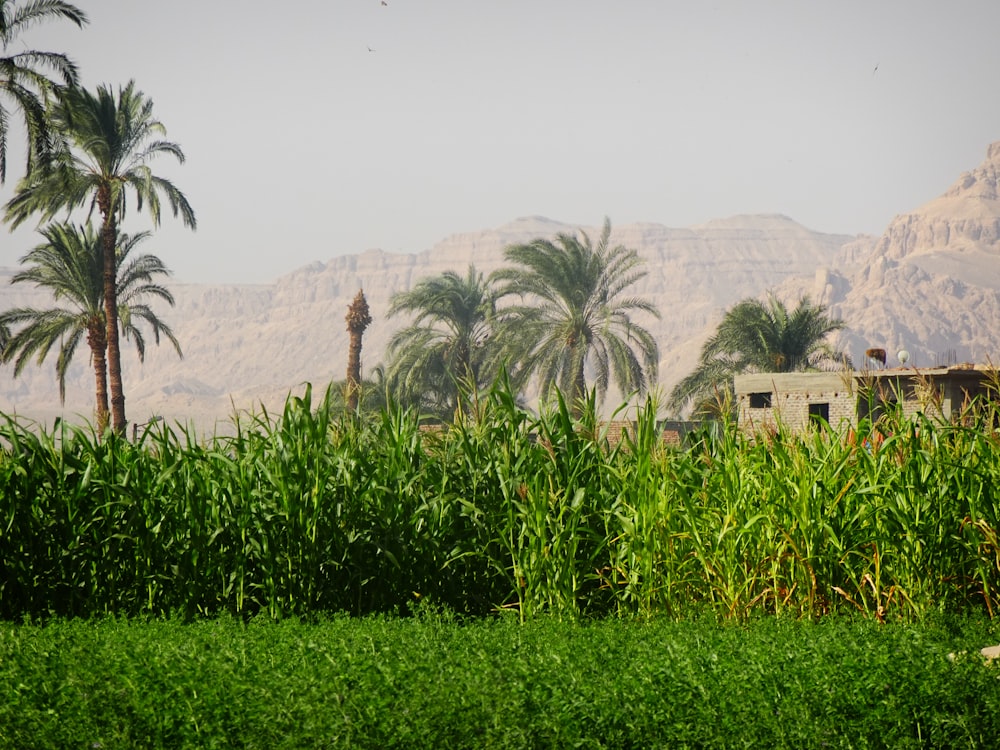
[358, 319]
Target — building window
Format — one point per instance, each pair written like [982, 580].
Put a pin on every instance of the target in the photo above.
[760, 400]
[874, 406]
[819, 413]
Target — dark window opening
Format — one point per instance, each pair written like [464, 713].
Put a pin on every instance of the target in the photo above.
[819, 413]
[760, 400]
[874, 408]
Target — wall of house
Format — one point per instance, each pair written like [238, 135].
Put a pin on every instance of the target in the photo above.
[959, 389]
[792, 394]
[938, 393]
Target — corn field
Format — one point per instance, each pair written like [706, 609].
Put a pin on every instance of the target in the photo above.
[312, 510]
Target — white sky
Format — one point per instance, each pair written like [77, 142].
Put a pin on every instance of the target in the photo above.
[302, 144]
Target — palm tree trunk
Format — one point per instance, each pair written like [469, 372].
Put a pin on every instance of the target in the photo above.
[109, 235]
[579, 394]
[354, 370]
[579, 382]
[98, 346]
[466, 382]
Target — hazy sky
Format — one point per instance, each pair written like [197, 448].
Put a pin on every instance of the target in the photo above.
[316, 128]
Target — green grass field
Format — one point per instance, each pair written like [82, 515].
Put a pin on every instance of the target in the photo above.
[432, 682]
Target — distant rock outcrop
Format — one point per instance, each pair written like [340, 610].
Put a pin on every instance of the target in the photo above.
[930, 284]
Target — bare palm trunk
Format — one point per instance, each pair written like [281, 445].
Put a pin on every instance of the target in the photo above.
[465, 379]
[358, 320]
[96, 338]
[579, 391]
[109, 236]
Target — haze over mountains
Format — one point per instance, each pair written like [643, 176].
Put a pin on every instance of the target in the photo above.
[930, 284]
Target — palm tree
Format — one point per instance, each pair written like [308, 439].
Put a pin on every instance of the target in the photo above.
[574, 316]
[758, 336]
[70, 264]
[445, 350]
[104, 157]
[23, 75]
[358, 319]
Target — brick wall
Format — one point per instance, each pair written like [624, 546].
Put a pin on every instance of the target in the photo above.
[792, 409]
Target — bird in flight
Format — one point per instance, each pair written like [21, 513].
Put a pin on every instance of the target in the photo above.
[876, 69]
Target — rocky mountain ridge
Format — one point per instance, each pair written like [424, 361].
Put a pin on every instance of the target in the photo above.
[930, 284]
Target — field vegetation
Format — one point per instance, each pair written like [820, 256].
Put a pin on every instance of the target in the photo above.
[432, 681]
[322, 578]
[315, 510]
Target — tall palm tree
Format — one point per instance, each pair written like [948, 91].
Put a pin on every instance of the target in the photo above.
[446, 348]
[759, 336]
[108, 143]
[574, 315]
[358, 319]
[70, 264]
[24, 79]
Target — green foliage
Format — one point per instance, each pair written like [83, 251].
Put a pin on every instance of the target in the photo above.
[572, 321]
[70, 265]
[105, 144]
[756, 336]
[435, 681]
[446, 350]
[574, 318]
[24, 75]
[373, 396]
[315, 510]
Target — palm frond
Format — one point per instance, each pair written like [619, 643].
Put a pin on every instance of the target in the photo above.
[759, 336]
[571, 317]
[26, 77]
[69, 263]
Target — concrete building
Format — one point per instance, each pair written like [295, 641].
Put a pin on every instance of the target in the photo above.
[796, 399]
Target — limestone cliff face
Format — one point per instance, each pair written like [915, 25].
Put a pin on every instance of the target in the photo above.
[930, 284]
[965, 220]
